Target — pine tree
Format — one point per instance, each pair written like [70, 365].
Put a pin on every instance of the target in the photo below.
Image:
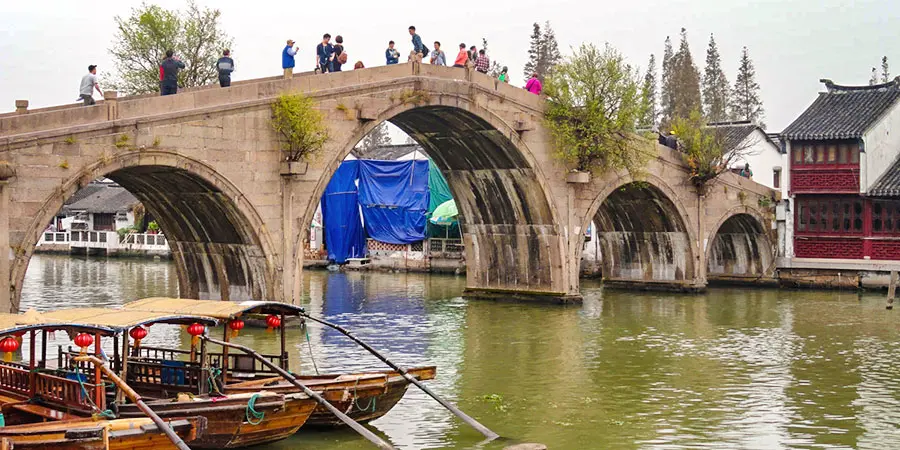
[550, 49]
[666, 92]
[746, 103]
[534, 52]
[683, 87]
[716, 89]
[885, 70]
[649, 92]
[378, 137]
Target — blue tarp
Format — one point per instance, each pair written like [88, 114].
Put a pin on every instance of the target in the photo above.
[344, 236]
[394, 198]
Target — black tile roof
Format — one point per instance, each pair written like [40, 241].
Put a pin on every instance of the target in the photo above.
[387, 152]
[734, 134]
[107, 199]
[844, 112]
[888, 184]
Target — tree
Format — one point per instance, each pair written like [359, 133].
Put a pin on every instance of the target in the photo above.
[746, 103]
[885, 70]
[594, 106]
[716, 89]
[534, 52]
[873, 80]
[704, 150]
[301, 127]
[666, 93]
[142, 39]
[378, 137]
[543, 53]
[683, 83]
[648, 91]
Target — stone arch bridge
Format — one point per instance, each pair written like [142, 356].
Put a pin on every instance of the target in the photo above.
[207, 165]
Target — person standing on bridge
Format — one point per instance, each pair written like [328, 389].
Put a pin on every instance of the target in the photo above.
[462, 58]
[340, 56]
[325, 54]
[482, 63]
[88, 84]
[225, 65]
[287, 59]
[391, 54]
[534, 85]
[168, 74]
[504, 75]
[438, 58]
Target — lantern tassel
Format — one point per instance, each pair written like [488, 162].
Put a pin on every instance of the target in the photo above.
[7, 356]
[234, 333]
[137, 344]
[195, 340]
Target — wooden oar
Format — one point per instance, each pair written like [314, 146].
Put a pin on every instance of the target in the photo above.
[136, 398]
[490, 435]
[381, 443]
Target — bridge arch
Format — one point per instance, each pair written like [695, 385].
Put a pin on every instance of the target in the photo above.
[507, 217]
[217, 238]
[739, 246]
[644, 237]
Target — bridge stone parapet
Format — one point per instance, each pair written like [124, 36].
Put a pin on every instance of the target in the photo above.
[207, 165]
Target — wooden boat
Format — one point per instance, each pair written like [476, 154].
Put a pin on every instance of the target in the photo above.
[88, 434]
[363, 396]
[44, 407]
[233, 421]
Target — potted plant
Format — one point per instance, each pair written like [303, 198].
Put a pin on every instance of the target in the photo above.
[152, 227]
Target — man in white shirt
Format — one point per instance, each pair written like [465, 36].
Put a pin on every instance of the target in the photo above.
[88, 84]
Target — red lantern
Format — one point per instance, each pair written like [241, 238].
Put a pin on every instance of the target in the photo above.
[138, 333]
[236, 326]
[84, 341]
[195, 330]
[272, 321]
[8, 346]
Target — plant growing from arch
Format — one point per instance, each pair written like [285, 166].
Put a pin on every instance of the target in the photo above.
[704, 149]
[301, 127]
[595, 101]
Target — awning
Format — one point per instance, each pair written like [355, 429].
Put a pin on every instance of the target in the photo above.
[217, 309]
[121, 319]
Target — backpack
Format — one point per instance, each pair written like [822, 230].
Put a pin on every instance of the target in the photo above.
[424, 50]
[342, 58]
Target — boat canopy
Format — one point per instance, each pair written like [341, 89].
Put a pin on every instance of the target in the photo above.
[121, 319]
[32, 320]
[218, 309]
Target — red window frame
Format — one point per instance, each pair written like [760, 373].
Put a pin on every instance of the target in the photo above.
[843, 154]
[830, 216]
[885, 217]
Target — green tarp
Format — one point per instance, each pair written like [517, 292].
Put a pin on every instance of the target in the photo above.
[440, 193]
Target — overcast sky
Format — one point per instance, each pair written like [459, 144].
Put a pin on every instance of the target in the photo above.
[47, 45]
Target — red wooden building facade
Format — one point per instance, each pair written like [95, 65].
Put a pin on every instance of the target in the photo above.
[834, 216]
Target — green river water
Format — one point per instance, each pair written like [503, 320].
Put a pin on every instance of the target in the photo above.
[729, 369]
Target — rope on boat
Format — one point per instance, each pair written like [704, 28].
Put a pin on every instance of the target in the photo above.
[309, 345]
[257, 416]
[356, 400]
[106, 413]
[211, 375]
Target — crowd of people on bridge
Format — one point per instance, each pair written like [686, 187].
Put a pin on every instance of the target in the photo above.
[330, 57]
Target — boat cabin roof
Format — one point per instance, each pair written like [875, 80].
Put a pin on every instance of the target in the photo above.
[121, 319]
[32, 320]
[218, 309]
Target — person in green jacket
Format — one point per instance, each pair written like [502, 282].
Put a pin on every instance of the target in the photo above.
[504, 76]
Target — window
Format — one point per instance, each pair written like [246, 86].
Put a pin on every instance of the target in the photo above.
[831, 215]
[104, 222]
[825, 153]
[886, 216]
[776, 177]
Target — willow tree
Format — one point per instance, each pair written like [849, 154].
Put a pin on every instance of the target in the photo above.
[595, 103]
[142, 38]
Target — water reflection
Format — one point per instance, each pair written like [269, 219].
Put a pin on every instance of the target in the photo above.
[754, 369]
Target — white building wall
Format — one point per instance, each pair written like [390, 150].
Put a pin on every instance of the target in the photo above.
[763, 156]
[785, 208]
[882, 144]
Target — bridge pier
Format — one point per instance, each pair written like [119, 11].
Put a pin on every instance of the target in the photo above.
[5, 251]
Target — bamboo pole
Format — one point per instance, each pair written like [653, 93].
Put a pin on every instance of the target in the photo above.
[892, 290]
[136, 398]
[293, 380]
[490, 435]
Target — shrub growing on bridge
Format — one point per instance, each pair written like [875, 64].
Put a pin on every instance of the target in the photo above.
[299, 124]
[704, 149]
[595, 102]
